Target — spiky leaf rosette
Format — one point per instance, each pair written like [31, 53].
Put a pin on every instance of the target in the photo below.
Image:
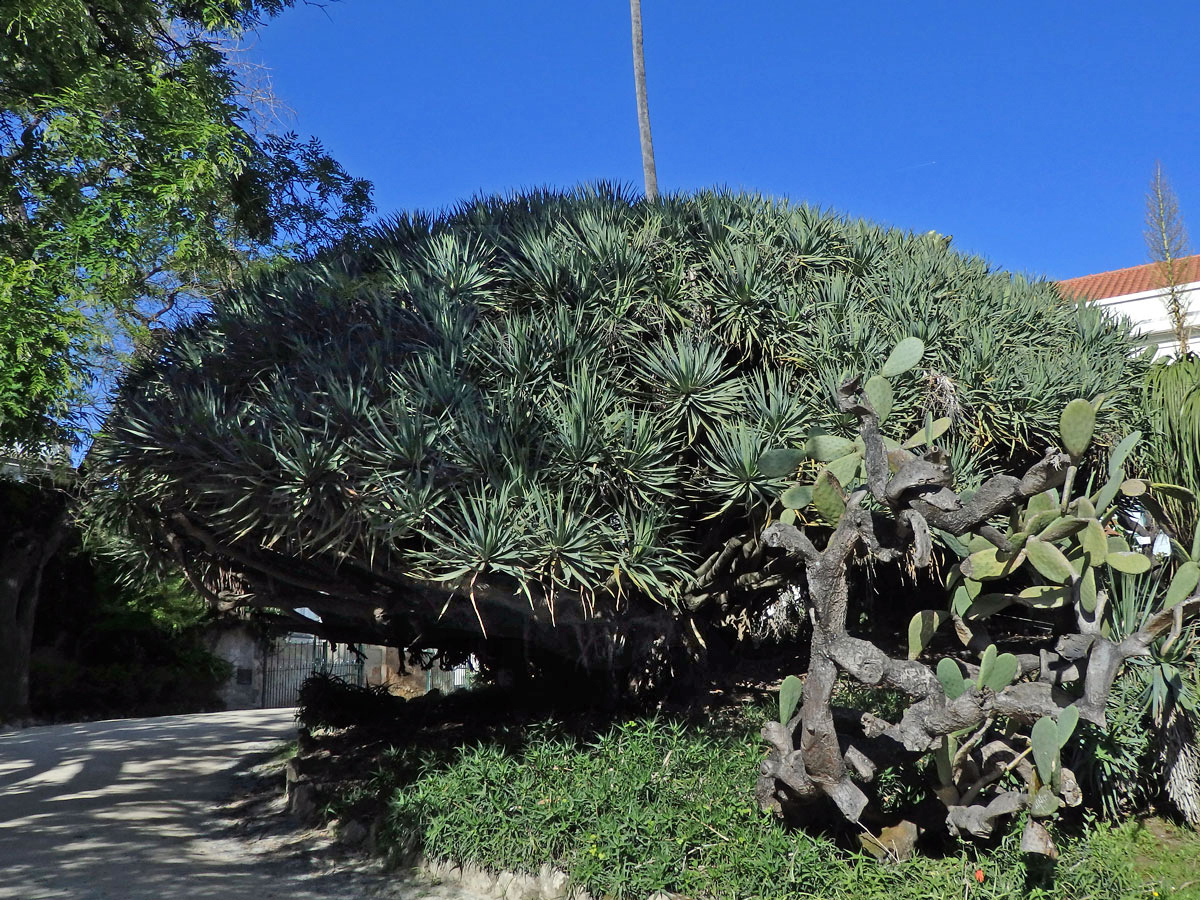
[556, 403]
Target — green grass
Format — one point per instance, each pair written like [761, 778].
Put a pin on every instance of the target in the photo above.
[1166, 857]
[654, 805]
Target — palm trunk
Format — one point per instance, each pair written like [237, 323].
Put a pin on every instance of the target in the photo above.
[1179, 759]
[643, 106]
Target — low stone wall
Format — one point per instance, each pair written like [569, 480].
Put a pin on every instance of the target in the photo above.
[548, 884]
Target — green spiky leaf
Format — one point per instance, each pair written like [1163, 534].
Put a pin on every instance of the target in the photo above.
[921, 629]
[1117, 544]
[1084, 509]
[1062, 527]
[790, 693]
[1076, 424]
[828, 499]
[977, 542]
[986, 662]
[797, 496]
[1041, 520]
[1044, 803]
[1046, 501]
[1094, 542]
[1087, 591]
[903, 357]
[1067, 720]
[942, 760]
[1044, 738]
[1017, 540]
[1045, 596]
[992, 563]
[1004, 672]
[1105, 496]
[1174, 491]
[1187, 577]
[988, 605]
[845, 468]
[951, 678]
[781, 463]
[1116, 459]
[1049, 560]
[826, 447]
[955, 544]
[1129, 563]
[879, 391]
[933, 430]
[963, 594]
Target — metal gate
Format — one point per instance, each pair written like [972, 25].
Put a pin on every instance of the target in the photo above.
[291, 659]
[447, 680]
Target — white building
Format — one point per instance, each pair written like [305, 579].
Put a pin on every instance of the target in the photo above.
[1138, 293]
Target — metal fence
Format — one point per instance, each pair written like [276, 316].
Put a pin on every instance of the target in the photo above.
[447, 680]
[293, 658]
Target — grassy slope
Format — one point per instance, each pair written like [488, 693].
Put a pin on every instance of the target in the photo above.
[654, 805]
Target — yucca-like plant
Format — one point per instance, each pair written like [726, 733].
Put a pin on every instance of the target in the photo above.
[1167, 704]
[535, 421]
[1172, 406]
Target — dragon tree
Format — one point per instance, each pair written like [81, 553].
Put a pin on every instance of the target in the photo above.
[529, 428]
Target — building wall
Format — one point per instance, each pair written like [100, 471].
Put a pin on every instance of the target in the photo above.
[1148, 312]
[238, 646]
[385, 666]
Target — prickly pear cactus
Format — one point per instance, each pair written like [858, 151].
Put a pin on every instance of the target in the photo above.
[986, 714]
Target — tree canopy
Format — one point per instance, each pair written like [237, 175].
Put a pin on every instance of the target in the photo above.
[136, 181]
[549, 409]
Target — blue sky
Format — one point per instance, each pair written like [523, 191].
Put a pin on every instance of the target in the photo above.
[1027, 130]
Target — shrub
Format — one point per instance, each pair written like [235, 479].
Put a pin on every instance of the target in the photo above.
[655, 805]
[1115, 763]
[106, 647]
[1172, 406]
[326, 701]
[1148, 748]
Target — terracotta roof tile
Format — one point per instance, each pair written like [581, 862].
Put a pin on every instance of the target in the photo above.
[1133, 280]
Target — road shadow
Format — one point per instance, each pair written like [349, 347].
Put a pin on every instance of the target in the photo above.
[125, 809]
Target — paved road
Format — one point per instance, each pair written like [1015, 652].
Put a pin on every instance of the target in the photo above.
[124, 810]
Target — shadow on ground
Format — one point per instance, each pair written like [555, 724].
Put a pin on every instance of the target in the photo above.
[124, 809]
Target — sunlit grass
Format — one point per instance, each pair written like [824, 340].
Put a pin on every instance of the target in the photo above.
[655, 805]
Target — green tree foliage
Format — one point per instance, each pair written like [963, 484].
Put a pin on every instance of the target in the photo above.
[34, 523]
[134, 184]
[103, 646]
[551, 407]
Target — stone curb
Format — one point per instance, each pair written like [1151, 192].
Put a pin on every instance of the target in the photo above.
[548, 884]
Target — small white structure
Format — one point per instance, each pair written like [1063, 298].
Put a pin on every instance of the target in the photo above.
[1139, 294]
